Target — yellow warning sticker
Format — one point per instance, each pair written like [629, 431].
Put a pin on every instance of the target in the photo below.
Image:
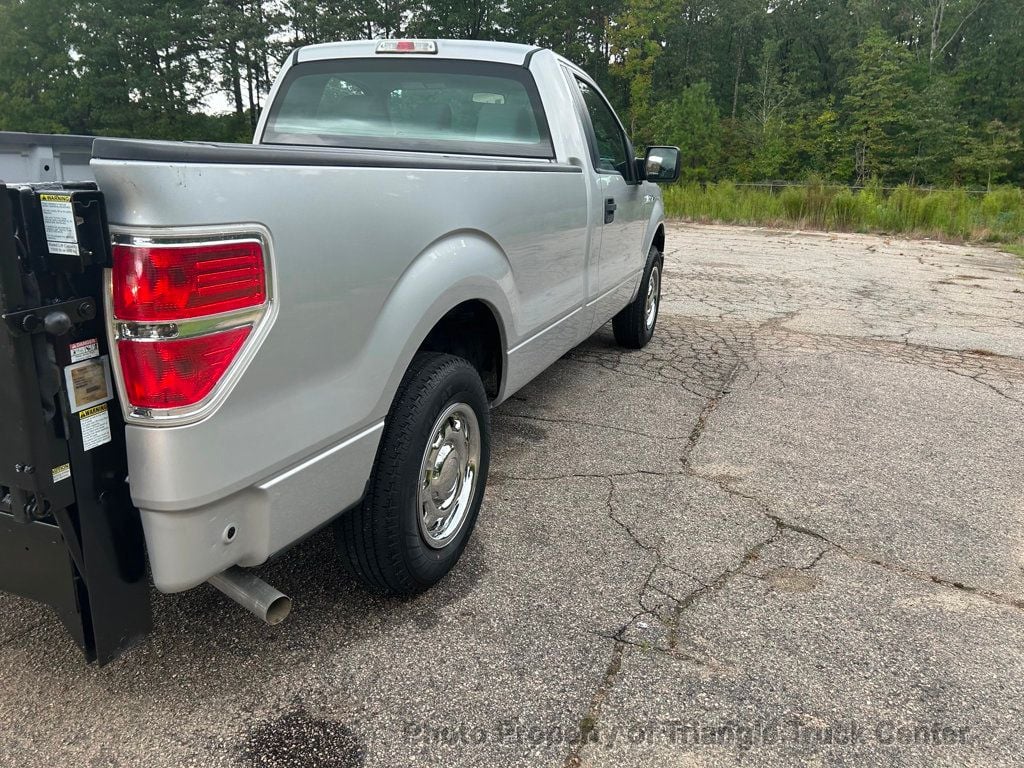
[59, 224]
[89, 412]
[95, 426]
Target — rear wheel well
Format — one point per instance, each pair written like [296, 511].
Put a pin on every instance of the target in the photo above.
[470, 331]
[659, 238]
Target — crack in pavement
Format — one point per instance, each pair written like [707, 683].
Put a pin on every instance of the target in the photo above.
[17, 635]
[704, 355]
[672, 623]
[595, 425]
[499, 477]
[899, 568]
[723, 578]
[705, 414]
[873, 560]
[589, 722]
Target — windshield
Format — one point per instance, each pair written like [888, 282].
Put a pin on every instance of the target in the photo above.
[468, 107]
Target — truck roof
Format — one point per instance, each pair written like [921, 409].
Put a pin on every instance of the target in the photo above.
[479, 50]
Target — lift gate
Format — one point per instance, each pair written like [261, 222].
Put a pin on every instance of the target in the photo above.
[69, 535]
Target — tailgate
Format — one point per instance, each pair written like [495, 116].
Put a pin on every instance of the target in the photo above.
[69, 535]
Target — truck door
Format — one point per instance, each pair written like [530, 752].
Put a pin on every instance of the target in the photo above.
[620, 196]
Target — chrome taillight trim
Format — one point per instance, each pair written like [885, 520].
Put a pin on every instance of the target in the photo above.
[260, 318]
[186, 329]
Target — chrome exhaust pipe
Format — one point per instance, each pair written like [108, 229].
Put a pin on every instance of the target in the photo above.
[253, 594]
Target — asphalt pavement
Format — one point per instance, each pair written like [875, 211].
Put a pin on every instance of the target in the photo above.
[788, 532]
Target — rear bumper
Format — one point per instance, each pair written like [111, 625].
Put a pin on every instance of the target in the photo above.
[188, 547]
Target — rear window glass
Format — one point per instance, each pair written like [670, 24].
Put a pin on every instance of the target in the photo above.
[411, 104]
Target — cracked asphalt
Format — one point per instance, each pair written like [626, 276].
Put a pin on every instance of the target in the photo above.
[788, 532]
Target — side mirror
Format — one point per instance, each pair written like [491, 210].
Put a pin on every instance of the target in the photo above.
[661, 164]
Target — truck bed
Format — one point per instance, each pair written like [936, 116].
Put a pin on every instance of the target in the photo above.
[368, 250]
[140, 150]
[35, 157]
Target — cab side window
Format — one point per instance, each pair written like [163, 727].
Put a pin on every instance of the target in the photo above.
[612, 148]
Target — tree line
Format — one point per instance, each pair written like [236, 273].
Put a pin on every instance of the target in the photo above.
[926, 92]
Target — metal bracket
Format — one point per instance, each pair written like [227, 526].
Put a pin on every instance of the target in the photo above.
[52, 318]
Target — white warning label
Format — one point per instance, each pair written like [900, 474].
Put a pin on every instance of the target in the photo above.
[59, 224]
[84, 350]
[95, 427]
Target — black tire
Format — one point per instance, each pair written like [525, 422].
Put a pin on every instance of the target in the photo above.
[631, 326]
[382, 542]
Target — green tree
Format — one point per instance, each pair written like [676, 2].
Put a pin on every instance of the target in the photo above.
[140, 66]
[989, 65]
[989, 154]
[691, 122]
[939, 133]
[36, 71]
[244, 40]
[847, 89]
[634, 53]
[467, 19]
[577, 29]
[321, 21]
[766, 125]
[830, 157]
[880, 109]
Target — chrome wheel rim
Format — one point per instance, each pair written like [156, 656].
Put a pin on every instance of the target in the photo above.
[653, 296]
[448, 475]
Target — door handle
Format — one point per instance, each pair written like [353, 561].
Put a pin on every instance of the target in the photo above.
[609, 210]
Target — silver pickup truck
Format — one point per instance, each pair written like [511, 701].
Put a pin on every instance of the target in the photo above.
[313, 328]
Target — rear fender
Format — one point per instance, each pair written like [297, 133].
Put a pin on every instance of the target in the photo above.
[462, 266]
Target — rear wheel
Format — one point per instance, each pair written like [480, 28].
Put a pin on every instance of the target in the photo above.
[634, 325]
[428, 481]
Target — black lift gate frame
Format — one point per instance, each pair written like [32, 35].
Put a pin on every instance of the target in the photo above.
[72, 542]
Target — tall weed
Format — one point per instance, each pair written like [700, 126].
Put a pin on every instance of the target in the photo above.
[954, 213]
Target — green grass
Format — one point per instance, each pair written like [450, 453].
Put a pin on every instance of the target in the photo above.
[949, 214]
[1015, 248]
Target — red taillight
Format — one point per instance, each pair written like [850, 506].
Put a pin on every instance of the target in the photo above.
[172, 355]
[155, 283]
[171, 374]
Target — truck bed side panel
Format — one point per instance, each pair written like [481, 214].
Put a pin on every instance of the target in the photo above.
[44, 157]
[366, 259]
